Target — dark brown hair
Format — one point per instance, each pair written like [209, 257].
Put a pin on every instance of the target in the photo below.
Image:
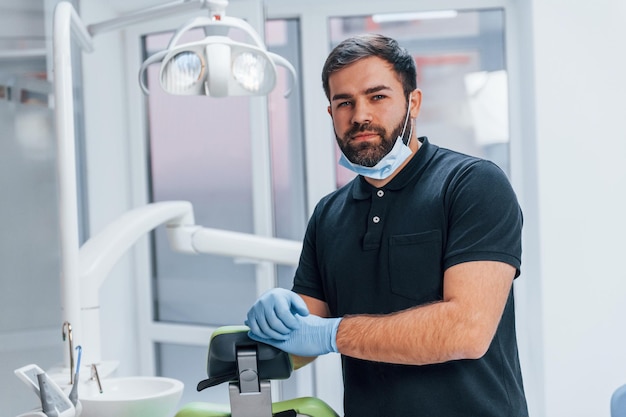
[367, 45]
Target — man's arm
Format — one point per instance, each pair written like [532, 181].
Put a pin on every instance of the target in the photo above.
[461, 326]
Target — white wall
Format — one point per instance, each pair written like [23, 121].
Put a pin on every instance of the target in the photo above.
[579, 101]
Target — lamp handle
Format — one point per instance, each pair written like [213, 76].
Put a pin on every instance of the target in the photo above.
[279, 60]
[151, 60]
[226, 22]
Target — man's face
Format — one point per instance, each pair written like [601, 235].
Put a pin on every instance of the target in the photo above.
[368, 109]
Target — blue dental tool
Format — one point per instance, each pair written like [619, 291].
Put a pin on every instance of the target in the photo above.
[74, 392]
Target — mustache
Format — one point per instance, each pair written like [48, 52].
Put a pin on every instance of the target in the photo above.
[365, 127]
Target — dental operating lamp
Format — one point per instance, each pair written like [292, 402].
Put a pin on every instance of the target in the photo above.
[216, 66]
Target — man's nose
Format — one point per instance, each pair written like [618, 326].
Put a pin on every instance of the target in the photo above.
[362, 113]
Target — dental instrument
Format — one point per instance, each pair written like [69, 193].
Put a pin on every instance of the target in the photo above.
[48, 400]
[68, 335]
[53, 400]
[74, 392]
[96, 377]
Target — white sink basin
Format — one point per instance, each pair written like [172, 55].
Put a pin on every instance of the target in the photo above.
[131, 397]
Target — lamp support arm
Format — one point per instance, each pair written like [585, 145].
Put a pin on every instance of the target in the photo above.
[100, 253]
[206, 240]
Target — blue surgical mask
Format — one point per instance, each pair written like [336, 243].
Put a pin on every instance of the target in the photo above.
[389, 163]
[385, 167]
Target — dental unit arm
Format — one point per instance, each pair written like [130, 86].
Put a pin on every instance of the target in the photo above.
[100, 254]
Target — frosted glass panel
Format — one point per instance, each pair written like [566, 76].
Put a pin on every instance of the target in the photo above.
[286, 134]
[29, 232]
[30, 293]
[460, 70]
[287, 143]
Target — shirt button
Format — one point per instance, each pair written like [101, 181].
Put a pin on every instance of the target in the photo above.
[380, 193]
[376, 219]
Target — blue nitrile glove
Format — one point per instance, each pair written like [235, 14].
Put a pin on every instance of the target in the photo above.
[314, 336]
[273, 316]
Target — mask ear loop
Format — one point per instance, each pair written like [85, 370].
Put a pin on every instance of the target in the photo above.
[410, 134]
[406, 120]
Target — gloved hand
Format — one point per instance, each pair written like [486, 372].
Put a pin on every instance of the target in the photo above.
[313, 336]
[273, 316]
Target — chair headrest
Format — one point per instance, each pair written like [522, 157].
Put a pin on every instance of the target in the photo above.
[272, 363]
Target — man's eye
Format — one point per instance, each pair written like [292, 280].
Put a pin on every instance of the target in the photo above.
[344, 104]
[378, 97]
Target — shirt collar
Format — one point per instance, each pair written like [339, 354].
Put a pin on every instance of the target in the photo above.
[362, 190]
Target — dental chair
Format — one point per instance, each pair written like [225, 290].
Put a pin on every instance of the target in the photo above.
[248, 366]
[618, 402]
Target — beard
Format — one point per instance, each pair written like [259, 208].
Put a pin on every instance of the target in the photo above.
[365, 153]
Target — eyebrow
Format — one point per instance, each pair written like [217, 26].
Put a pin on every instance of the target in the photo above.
[371, 90]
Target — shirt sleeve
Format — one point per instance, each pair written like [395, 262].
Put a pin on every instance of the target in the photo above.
[485, 220]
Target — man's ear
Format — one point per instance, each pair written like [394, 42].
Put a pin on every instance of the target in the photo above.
[416, 102]
[329, 110]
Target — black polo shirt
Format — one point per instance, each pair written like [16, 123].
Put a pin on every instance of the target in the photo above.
[377, 251]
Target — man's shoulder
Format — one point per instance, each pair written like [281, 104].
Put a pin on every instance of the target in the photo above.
[464, 164]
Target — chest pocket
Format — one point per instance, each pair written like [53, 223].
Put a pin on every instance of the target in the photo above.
[415, 266]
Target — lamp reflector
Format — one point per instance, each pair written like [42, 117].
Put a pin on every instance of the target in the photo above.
[182, 72]
[249, 70]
